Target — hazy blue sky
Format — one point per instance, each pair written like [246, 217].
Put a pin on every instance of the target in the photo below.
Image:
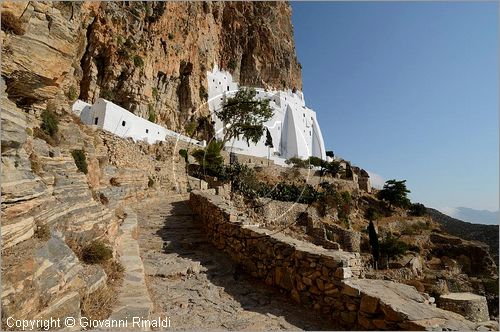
[408, 91]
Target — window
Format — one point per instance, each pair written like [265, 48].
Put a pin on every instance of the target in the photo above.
[304, 115]
[228, 88]
[96, 120]
[123, 123]
[147, 131]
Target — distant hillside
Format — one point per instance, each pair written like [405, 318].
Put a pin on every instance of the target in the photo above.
[469, 231]
[471, 215]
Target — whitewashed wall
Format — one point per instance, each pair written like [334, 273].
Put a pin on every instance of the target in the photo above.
[293, 127]
[117, 120]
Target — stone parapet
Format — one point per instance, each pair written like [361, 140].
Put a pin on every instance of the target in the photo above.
[321, 279]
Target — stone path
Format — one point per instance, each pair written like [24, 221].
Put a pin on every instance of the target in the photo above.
[133, 297]
[198, 287]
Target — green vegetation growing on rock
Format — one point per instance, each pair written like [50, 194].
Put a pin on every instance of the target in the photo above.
[138, 61]
[96, 253]
[418, 210]
[210, 158]
[42, 232]
[80, 160]
[72, 93]
[50, 124]
[151, 114]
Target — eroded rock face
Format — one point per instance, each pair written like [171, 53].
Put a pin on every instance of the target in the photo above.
[147, 57]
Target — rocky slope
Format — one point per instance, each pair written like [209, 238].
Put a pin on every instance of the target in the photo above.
[474, 232]
[148, 57]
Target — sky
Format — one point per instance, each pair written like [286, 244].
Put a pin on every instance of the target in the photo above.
[408, 91]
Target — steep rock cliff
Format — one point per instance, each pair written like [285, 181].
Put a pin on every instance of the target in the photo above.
[150, 57]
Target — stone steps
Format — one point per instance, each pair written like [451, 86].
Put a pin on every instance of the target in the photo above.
[133, 296]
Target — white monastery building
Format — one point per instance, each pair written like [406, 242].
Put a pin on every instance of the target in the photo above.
[117, 120]
[293, 127]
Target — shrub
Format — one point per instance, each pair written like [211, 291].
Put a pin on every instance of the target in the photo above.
[170, 36]
[191, 127]
[155, 92]
[114, 182]
[210, 158]
[72, 93]
[203, 93]
[184, 154]
[80, 160]
[297, 162]
[151, 182]
[96, 252]
[395, 193]
[36, 166]
[418, 210]
[50, 124]
[12, 24]
[232, 64]
[392, 247]
[151, 114]
[42, 232]
[138, 62]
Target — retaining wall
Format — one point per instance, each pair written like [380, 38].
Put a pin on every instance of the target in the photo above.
[318, 278]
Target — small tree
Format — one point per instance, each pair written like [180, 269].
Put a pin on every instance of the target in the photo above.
[269, 144]
[394, 192]
[244, 116]
[418, 210]
[210, 158]
[392, 247]
[329, 154]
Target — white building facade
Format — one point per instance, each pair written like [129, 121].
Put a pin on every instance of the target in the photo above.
[293, 127]
[118, 121]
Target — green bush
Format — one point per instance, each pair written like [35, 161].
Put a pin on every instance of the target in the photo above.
[138, 62]
[210, 158]
[232, 64]
[203, 93]
[96, 253]
[72, 93]
[418, 210]
[297, 162]
[151, 114]
[151, 182]
[170, 36]
[191, 127]
[50, 124]
[155, 93]
[392, 247]
[80, 160]
[184, 154]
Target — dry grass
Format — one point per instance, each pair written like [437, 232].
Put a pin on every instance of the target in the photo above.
[36, 165]
[99, 304]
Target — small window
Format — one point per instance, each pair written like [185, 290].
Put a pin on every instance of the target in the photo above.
[213, 80]
[228, 88]
[158, 133]
[123, 123]
[96, 120]
[303, 115]
[147, 131]
[219, 82]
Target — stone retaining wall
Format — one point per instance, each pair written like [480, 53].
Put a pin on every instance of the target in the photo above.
[318, 278]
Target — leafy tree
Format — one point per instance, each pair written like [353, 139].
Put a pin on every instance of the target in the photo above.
[392, 247]
[330, 154]
[418, 210]
[395, 193]
[244, 116]
[269, 144]
[372, 233]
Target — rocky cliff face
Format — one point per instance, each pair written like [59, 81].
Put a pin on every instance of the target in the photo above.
[149, 57]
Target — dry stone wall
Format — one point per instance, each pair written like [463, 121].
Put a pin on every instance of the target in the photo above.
[318, 278]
